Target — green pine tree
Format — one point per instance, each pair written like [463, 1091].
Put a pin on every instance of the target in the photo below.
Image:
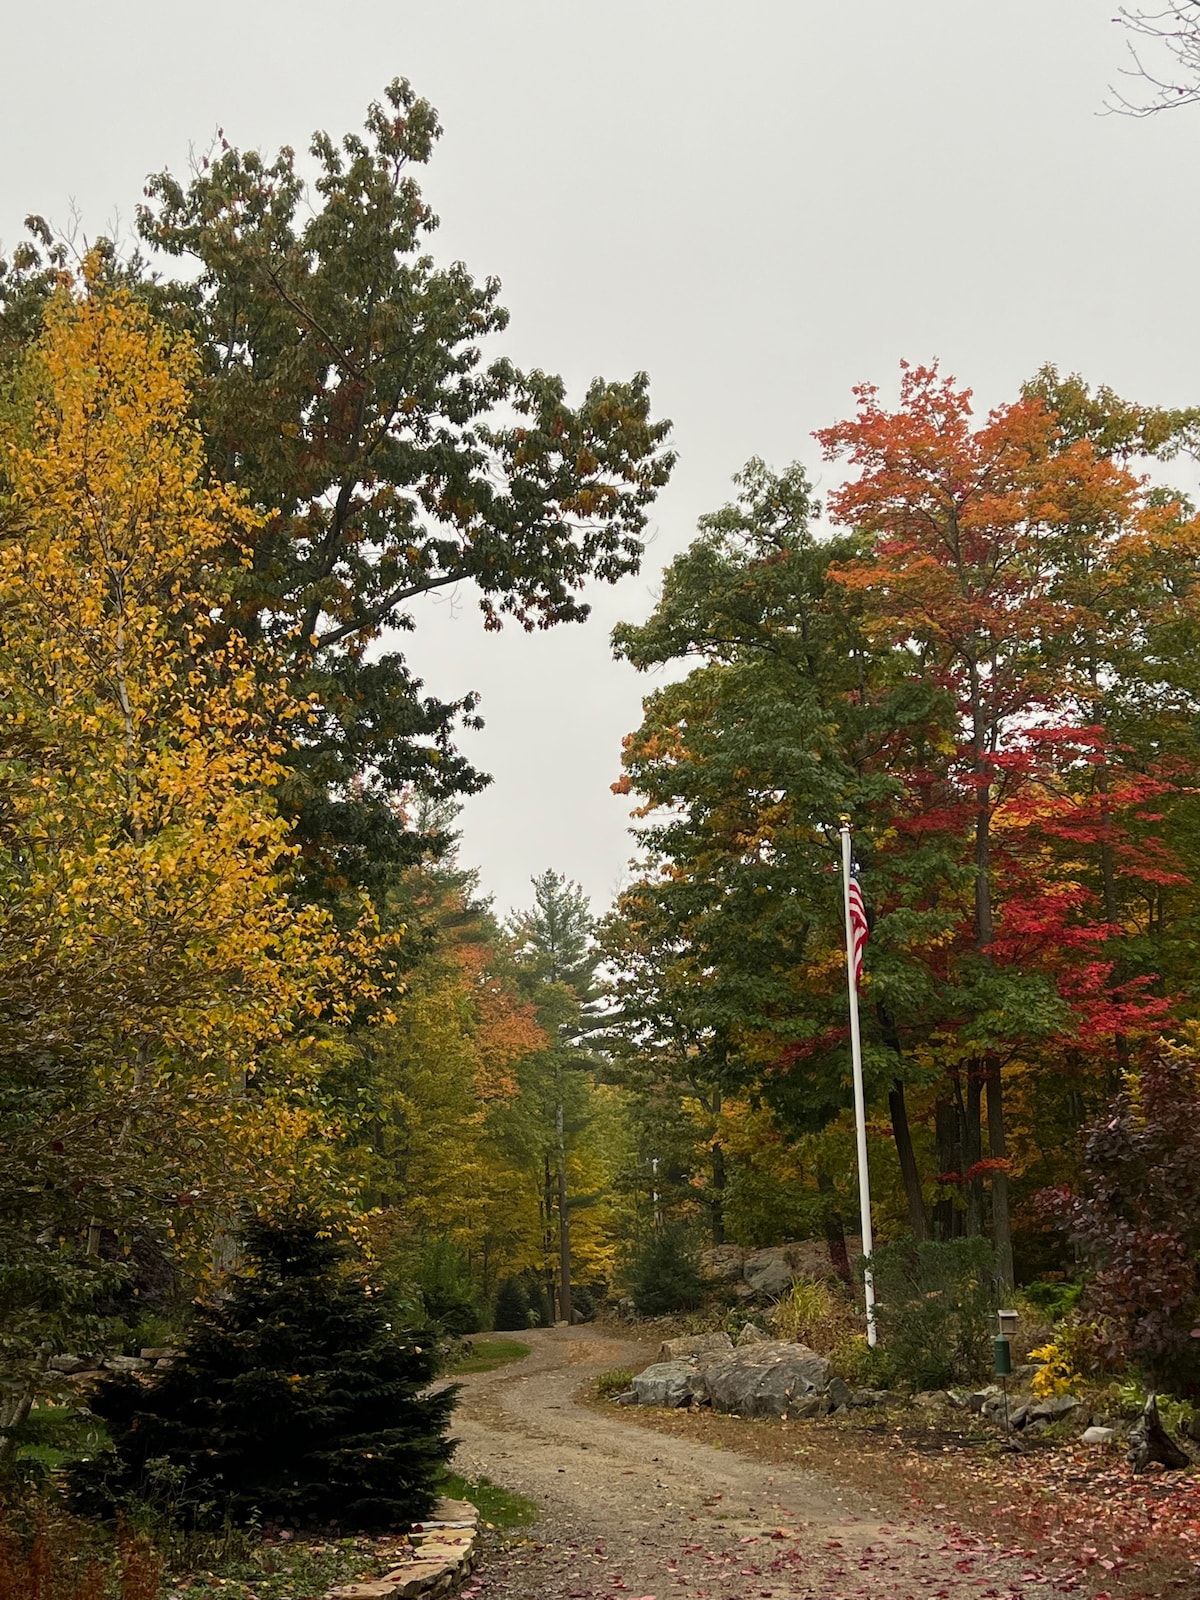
[297, 1401]
[512, 1308]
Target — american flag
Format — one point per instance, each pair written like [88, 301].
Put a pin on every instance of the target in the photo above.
[859, 930]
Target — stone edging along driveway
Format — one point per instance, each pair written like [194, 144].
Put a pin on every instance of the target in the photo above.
[443, 1556]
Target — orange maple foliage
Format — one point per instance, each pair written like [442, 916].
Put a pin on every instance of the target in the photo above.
[507, 1029]
[970, 523]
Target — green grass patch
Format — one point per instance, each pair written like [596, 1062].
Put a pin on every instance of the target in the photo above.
[615, 1381]
[55, 1435]
[485, 1355]
[499, 1508]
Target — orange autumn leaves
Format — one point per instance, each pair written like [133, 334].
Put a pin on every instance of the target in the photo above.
[971, 522]
[506, 1027]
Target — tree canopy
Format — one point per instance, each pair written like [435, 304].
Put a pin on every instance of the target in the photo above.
[343, 387]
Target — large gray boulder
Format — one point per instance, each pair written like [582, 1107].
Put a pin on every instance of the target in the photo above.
[666, 1383]
[772, 1379]
[768, 1272]
[694, 1344]
[722, 1263]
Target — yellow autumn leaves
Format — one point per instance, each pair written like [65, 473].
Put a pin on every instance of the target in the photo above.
[146, 937]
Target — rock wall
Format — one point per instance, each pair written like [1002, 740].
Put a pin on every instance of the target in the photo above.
[441, 1555]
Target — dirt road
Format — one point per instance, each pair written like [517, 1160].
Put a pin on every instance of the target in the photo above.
[630, 1513]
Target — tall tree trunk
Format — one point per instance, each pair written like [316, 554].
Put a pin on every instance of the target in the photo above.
[898, 1108]
[998, 1150]
[564, 1223]
[718, 1191]
[548, 1238]
[947, 1217]
[918, 1219]
[835, 1232]
[14, 1411]
[972, 1148]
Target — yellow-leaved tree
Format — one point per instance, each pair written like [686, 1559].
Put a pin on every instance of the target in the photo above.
[159, 995]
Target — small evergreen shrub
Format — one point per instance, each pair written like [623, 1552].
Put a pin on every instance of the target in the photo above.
[296, 1402]
[583, 1302]
[934, 1310]
[665, 1274]
[512, 1308]
[448, 1290]
[1053, 1300]
[539, 1303]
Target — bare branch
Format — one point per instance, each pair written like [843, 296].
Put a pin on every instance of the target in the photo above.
[372, 616]
[1175, 32]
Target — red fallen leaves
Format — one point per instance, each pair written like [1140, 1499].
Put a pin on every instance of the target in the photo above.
[1093, 1514]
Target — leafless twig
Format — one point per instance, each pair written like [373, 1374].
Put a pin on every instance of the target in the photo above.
[1173, 32]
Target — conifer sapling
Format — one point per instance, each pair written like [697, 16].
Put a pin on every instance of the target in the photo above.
[294, 1402]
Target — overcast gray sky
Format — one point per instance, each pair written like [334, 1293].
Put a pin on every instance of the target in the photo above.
[760, 204]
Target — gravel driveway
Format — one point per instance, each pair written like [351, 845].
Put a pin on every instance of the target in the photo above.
[630, 1513]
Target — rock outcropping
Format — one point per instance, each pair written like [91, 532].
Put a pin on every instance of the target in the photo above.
[762, 1378]
[769, 1273]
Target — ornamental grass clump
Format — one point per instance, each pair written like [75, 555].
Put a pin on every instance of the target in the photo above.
[296, 1402]
[815, 1314]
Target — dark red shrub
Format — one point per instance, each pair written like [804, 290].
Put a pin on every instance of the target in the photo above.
[1137, 1219]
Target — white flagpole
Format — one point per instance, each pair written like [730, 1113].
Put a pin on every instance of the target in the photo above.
[860, 1104]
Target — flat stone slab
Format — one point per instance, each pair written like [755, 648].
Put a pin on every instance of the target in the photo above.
[378, 1590]
[449, 1514]
[694, 1344]
[443, 1554]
